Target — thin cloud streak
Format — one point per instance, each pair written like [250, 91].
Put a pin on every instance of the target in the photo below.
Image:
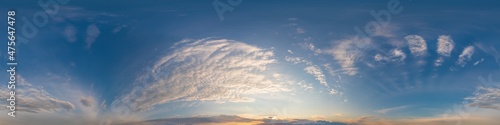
[465, 56]
[393, 109]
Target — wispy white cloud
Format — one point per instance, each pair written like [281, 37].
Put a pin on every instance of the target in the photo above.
[346, 52]
[479, 61]
[397, 53]
[392, 109]
[92, 33]
[336, 92]
[317, 73]
[87, 101]
[445, 46]
[232, 119]
[329, 68]
[379, 57]
[290, 51]
[439, 61]
[210, 70]
[32, 99]
[417, 45]
[304, 85]
[465, 56]
[311, 47]
[103, 105]
[485, 97]
[490, 49]
[310, 68]
[387, 31]
[48, 104]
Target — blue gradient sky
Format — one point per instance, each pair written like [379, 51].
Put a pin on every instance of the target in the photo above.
[133, 61]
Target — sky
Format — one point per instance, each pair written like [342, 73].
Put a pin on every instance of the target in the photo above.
[259, 62]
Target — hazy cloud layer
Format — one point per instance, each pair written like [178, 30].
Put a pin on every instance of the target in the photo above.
[194, 120]
[231, 119]
[310, 46]
[301, 122]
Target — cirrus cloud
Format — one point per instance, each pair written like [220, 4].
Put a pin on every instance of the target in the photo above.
[310, 68]
[205, 70]
[348, 51]
[35, 100]
[485, 97]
